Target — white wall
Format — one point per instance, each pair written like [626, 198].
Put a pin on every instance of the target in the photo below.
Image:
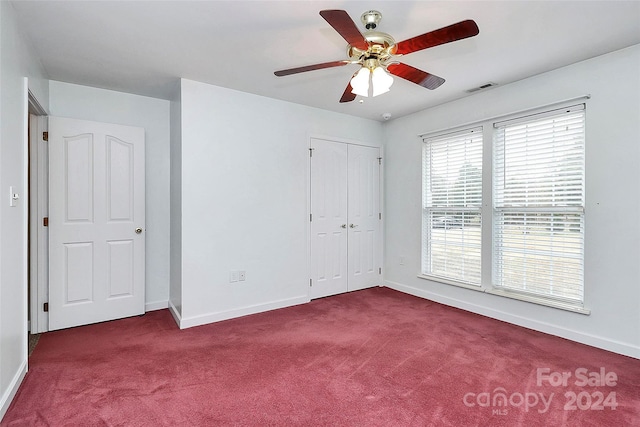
[87, 103]
[175, 291]
[16, 63]
[245, 166]
[612, 225]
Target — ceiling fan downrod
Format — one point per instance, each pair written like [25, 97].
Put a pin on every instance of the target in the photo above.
[371, 19]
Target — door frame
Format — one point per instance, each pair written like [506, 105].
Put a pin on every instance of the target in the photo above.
[38, 208]
[308, 185]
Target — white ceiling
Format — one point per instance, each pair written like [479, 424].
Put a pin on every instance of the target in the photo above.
[143, 47]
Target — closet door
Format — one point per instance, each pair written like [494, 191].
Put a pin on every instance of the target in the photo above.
[364, 217]
[328, 218]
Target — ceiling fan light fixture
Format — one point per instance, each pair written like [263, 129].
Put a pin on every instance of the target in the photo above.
[381, 81]
[374, 49]
[360, 82]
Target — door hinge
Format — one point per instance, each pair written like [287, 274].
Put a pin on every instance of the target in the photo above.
[310, 282]
[45, 307]
[379, 215]
[310, 217]
[379, 160]
[45, 136]
[311, 152]
[380, 270]
[45, 221]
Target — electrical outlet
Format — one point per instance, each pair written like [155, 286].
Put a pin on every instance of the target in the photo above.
[234, 276]
[242, 276]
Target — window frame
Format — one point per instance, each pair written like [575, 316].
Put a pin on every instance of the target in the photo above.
[487, 211]
[449, 210]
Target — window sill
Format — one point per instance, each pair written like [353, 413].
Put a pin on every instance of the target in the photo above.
[540, 301]
[451, 282]
[513, 295]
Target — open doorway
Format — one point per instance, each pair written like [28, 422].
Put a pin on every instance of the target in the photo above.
[36, 234]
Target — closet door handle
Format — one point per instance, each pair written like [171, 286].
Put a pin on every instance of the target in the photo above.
[343, 226]
[352, 225]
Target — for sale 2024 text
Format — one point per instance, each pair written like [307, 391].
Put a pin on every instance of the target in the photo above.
[595, 400]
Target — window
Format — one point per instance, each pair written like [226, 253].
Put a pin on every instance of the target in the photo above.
[538, 201]
[452, 199]
[532, 220]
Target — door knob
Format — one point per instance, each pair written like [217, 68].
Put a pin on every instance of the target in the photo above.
[352, 225]
[138, 230]
[343, 226]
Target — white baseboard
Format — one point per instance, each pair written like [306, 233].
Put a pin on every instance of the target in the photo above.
[175, 313]
[11, 391]
[537, 325]
[156, 305]
[203, 319]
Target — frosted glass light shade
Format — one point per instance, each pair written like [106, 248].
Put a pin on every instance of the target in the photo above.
[360, 82]
[381, 81]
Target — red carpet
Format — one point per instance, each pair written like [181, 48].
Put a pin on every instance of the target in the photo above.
[370, 358]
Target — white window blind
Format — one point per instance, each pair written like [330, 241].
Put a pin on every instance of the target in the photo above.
[452, 199]
[538, 200]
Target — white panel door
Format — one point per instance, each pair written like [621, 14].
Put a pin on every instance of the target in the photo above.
[364, 216]
[96, 222]
[328, 218]
[346, 224]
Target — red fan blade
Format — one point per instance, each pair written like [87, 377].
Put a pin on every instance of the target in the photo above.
[344, 25]
[416, 76]
[453, 32]
[347, 96]
[311, 68]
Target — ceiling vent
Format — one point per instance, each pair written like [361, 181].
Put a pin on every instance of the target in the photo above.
[484, 86]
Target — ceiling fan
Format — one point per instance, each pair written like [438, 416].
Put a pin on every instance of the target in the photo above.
[376, 53]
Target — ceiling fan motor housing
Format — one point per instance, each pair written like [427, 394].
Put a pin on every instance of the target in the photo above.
[381, 45]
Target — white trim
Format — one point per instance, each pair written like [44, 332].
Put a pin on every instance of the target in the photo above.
[557, 104]
[156, 305]
[341, 140]
[24, 206]
[175, 313]
[451, 282]
[307, 230]
[12, 389]
[507, 294]
[539, 300]
[623, 348]
[203, 319]
[39, 246]
[535, 115]
[34, 105]
[455, 132]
